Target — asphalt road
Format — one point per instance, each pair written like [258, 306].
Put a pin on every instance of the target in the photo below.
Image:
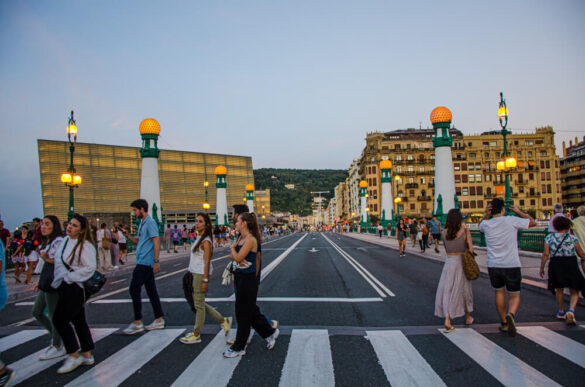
[351, 313]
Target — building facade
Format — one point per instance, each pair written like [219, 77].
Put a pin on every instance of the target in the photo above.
[353, 181]
[573, 174]
[535, 183]
[111, 180]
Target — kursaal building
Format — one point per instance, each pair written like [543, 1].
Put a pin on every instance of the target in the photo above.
[112, 179]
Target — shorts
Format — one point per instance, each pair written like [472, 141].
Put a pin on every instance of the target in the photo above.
[122, 246]
[509, 277]
[184, 240]
[436, 236]
[176, 243]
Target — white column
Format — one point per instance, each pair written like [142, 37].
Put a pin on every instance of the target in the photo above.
[250, 204]
[221, 206]
[363, 213]
[386, 201]
[149, 185]
[444, 178]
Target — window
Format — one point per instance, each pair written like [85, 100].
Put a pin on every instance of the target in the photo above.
[398, 169]
[548, 176]
[411, 180]
[421, 169]
[423, 180]
[493, 143]
[399, 158]
[465, 191]
[464, 178]
[465, 204]
[432, 157]
[472, 178]
[409, 157]
[407, 146]
[471, 191]
[472, 204]
[480, 190]
[478, 178]
[531, 176]
[457, 179]
[412, 206]
[549, 188]
[375, 181]
[550, 201]
[532, 202]
[522, 202]
[544, 201]
[464, 166]
[372, 159]
[529, 153]
[411, 193]
[542, 164]
[485, 143]
[542, 175]
[420, 146]
[544, 188]
[547, 163]
[472, 155]
[543, 153]
[519, 153]
[558, 188]
[456, 166]
[411, 169]
[486, 155]
[423, 206]
[529, 142]
[396, 146]
[480, 204]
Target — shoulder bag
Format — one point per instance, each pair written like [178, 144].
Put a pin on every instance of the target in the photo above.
[470, 266]
[105, 241]
[92, 285]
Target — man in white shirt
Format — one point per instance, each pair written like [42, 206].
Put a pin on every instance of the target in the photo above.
[558, 210]
[503, 261]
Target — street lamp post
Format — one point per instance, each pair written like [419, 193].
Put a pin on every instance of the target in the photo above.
[398, 200]
[71, 178]
[508, 162]
[206, 203]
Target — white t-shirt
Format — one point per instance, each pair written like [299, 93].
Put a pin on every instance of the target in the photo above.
[197, 262]
[552, 228]
[121, 237]
[501, 236]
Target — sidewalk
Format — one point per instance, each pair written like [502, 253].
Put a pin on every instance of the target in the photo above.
[530, 260]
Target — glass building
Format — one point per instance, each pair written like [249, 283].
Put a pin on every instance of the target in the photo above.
[111, 180]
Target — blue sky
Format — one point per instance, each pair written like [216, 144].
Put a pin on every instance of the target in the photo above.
[291, 83]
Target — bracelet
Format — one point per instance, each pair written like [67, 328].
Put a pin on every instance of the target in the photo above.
[156, 261]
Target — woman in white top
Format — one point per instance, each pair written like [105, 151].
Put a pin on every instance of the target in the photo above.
[201, 268]
[75, 263]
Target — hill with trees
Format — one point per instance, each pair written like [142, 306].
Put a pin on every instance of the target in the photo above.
[297, 200]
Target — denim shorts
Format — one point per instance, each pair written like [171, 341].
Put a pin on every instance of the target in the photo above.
[509, 277]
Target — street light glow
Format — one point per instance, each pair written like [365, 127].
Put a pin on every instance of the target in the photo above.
[511, 162]
[206, 206]
[66, 178]
[72, 128]
[76, 179]
[503, 111]
[206, 184]
[398, 200]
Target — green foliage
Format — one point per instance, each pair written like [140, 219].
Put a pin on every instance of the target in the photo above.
[297, 200]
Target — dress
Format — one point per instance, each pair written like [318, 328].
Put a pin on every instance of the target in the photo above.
[563, 268]
[454, 294]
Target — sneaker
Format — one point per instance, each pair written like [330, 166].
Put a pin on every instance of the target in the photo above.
[437, 251]
[190, 338]
[561, 315]
[271, 340]
[231, 353]
[227, 325]
[571, 318]
[134, 328]
[52, 353]
[155, 325]
[116, 267]
[511, 325]
[274, 324]
[503, 327]
[87, 361]
[232, 340]
[70, 364]
[7, 377]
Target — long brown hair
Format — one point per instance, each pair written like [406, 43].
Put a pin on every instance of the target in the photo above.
[207, 232]
[84, 235]
[57, 231]
[453, 223]
[252, 224]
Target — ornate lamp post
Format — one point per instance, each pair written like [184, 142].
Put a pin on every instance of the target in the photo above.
[508, 162]
[398, 200]
[70, 178]
[206, 203]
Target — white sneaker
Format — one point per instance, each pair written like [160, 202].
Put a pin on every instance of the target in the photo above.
[271, 340]
[116, 267]
[274, 324]
[87, 361]
[231, 353]
[70, 364]
[133, 328]
[52, 353]
[155, 325]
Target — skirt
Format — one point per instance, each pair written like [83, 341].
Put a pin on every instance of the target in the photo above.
[563, 272]
[454, 294]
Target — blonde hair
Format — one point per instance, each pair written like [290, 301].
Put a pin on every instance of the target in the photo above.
[581, 210]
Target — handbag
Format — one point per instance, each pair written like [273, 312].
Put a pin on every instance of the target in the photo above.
[46, 277]
[470, 266]
[106, 242]
[93, 284]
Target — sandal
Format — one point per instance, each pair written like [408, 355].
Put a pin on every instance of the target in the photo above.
[570, 316]
[503, 327]
[470, 321]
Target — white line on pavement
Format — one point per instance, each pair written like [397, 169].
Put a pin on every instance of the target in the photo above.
[369, 277]
[559, 344]
[268, 269]
[308, 360]
[118, 281]
[19, 338]
[402, 363]
[502, 365]
[260, 299]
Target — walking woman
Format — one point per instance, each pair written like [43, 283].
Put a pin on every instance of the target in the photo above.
[244, 252]
[563, 269]
[201, 268]
[420, 236]
[75, 263]
[47, 296]
[401, 231]
[454, 294]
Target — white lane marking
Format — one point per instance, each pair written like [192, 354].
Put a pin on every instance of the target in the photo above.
[30, 365]
[118, 281]
[308, 360]
[502, 365]
[268, 269]
[261, 299]
[19, 338]
[122, 364]
[554, 342]
[177, 264]
[373, 281]
[209, 368]
[402, 363]
[26, 303]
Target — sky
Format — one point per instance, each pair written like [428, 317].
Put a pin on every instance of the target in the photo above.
[293, 84]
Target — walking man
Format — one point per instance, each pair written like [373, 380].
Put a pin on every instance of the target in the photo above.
[436, 232]
[503, 261]
[147, 265]
[167, 238]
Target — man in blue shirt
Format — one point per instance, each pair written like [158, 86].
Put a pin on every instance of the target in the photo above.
[147, 265]
[436, 232]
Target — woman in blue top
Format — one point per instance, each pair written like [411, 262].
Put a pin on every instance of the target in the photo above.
[244, 252]
[563, 269]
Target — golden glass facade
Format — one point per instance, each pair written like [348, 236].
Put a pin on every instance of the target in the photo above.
[262, 203]
[111, 179]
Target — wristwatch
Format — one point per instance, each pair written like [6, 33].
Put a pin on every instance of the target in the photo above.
[206, 280]
[156, 261]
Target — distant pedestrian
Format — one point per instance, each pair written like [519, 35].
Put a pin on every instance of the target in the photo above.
[4, 234]
[563, 269]
[75, 263]
[47, 296]
[435, 232]
[93, 232]
[122, 245]
[103, 240]
[578, 226]
[401, 232]
[380, 229]
[185, 236]
[17, 254]
[30, 255]
[420, 236]
[454, 293]
[147, 265]
[167, 238]
[114, 248]
[6, 374]
[176, 237]
[558, 211]
[200, 267]
[413, 230]
[503, 261]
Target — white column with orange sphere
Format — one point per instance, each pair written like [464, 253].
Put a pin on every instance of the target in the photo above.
[364, 211]
[444, 199]
[149, 181]
[386, 200]
[221, 214]
[250, 197]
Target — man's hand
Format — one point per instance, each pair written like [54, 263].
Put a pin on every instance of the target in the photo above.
[515, 210]
[204, 287]
[156, 267]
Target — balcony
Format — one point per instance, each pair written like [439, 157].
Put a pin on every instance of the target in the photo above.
[431, 185]
[424, 198]
[411, 185]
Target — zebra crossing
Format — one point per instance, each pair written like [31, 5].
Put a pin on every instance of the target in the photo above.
[308, 357]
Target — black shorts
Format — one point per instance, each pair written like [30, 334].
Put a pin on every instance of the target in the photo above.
[436, 236]
[176, 243]
[184, 240]
[509, 277]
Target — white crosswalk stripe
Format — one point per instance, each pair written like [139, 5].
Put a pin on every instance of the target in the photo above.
[402, 363]
[502, 365]
[121, 365]
[309, 361]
